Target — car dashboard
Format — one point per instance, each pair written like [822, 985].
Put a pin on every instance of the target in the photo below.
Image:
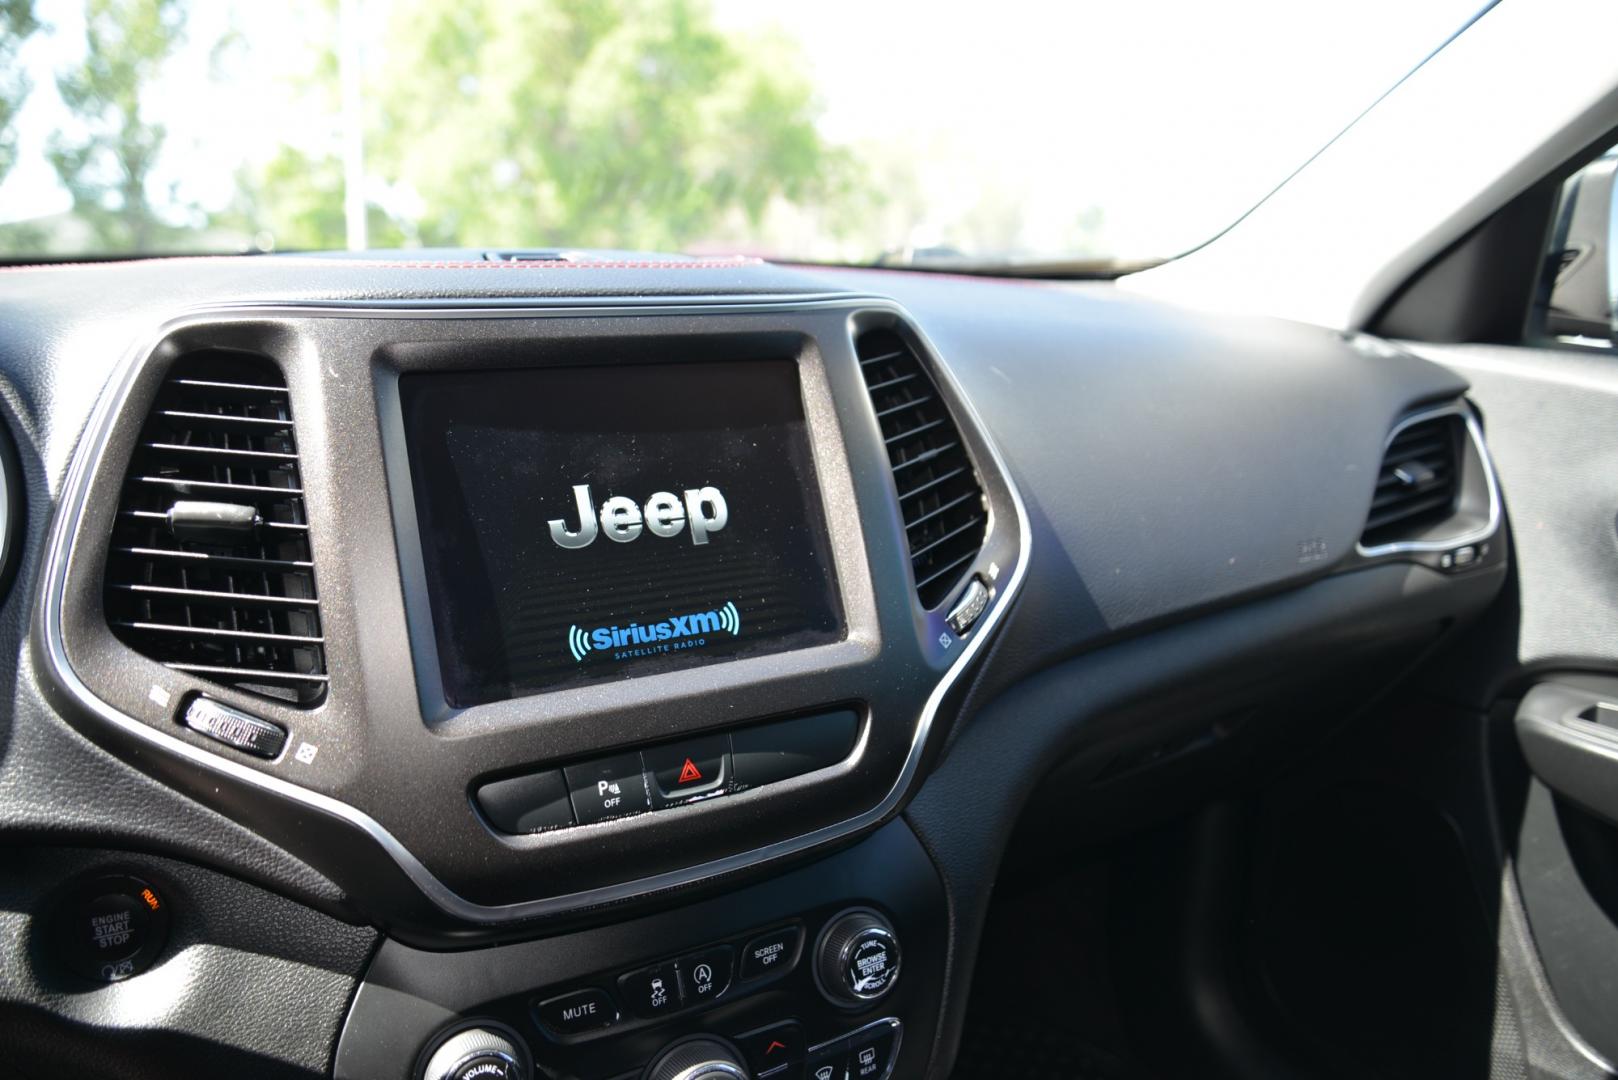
[630, 665]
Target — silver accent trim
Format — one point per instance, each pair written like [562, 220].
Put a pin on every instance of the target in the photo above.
[715, 1056]
[92, 447]
[1475, 433]
[465, 1046]
[7, 523]
[705, 1069]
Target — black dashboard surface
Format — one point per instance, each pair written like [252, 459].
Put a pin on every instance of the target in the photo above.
[1170, 461]
[1208, 448]
[1195, 486]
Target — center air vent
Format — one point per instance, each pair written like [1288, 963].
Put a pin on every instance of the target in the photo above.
[1419, 481]
[209, 570]
[939, 494]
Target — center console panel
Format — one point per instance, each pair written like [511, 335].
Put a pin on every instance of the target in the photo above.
[756, 975]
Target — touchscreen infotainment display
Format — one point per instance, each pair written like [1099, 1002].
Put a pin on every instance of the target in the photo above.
[590, 523]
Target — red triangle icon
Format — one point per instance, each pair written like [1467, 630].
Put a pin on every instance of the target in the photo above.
[690, 772]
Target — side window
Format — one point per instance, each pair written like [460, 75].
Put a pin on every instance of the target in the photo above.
[1577, 296]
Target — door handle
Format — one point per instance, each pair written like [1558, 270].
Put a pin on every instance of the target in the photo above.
[1568, 731]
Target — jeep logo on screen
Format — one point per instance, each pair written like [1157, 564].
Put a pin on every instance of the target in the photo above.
[623, 520]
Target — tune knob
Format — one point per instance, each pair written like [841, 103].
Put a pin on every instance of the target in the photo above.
[701, 1058]
[857, 961]
[476, 1054]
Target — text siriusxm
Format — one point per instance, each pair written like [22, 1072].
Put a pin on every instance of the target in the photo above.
[670, 632]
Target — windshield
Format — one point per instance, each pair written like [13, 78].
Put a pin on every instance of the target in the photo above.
[838, 131]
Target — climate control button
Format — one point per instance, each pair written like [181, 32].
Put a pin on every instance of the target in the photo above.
[871, 1051]
[702, 1057]
[773, 1047]
[829, 1061]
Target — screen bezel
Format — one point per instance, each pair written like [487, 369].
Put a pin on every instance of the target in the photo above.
[834, 486]
[709, 382]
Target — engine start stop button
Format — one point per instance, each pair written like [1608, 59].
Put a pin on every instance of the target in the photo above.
[111, 927]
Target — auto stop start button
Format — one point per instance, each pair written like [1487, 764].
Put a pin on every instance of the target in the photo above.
[111, 927]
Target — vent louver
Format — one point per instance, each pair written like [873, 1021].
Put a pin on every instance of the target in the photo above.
[1419, 481]
[209, 569]
[939, 494]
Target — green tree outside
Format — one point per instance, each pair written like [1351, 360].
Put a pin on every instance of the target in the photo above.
[107, 166]
[611, 123]
[296, 202]
[17, 24]
[494, 123]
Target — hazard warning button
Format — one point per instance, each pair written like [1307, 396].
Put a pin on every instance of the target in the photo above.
[694, 769]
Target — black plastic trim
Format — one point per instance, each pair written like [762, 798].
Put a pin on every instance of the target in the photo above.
[347, 841]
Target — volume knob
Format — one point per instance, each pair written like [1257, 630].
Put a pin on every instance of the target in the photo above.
[476, 1054]
[858, 959]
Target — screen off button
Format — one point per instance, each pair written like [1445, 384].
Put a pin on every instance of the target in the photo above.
[771, 953]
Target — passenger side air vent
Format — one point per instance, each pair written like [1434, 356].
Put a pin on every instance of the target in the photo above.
[1419, 481]
[209, 570]
[939, 494]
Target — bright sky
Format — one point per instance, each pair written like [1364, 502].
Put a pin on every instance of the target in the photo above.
[1022, 117]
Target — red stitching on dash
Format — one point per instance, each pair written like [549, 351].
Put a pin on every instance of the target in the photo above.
[713, 264]
[407, 264]
[939, 275]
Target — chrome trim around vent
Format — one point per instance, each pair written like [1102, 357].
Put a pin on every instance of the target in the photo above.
[1475, 434]
[87, 457]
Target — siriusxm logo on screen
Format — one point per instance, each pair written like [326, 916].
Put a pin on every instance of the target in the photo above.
[638, 639]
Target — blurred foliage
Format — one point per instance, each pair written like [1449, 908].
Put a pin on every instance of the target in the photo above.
[17, 24]
[107, 163]
[590, 123]
[605, 123]
[492, 123]
[295, 203]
